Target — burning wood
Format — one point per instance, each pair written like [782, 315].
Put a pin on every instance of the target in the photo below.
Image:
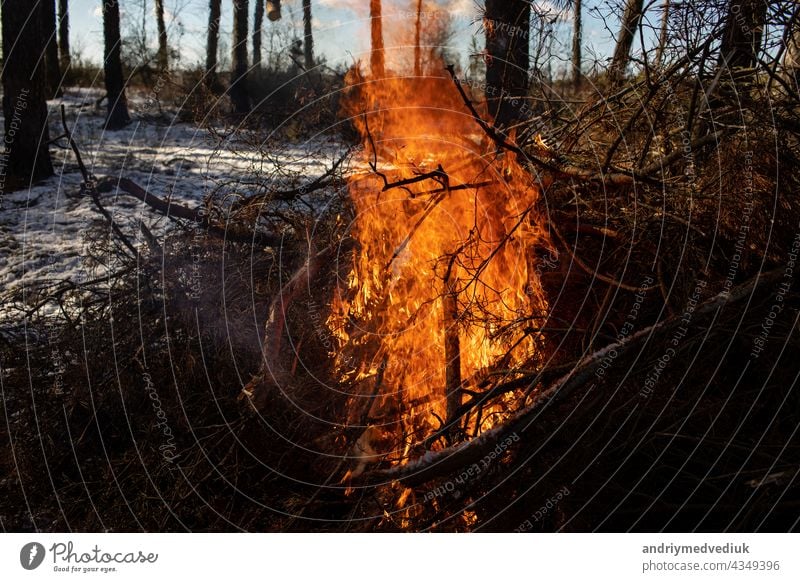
[439, 273]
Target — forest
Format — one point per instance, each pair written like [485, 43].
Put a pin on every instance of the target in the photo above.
[400, 265]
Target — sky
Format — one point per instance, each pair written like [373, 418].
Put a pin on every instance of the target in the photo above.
[341, 27]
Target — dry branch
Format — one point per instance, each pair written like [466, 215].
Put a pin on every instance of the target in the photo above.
[90, 186]
[231, 232]
[617, 177]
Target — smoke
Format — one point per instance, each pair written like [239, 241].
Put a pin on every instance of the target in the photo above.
[360, 7]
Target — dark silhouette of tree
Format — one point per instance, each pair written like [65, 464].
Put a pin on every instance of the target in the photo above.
[117, 103]
[258, 22]
[52, 68]
[26, 157]
[742, 35]
[376, 56]
[507, 26]
[63, 34]
[622, 51]
[163, 50]
[238, 87]
[577, 40]
[308, 39]
[212, 41]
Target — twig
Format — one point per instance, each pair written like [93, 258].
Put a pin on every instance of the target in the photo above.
[90, 187]
[619, 177]
[319, 183]
[589, 271]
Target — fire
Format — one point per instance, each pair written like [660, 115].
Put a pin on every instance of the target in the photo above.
[441, 288]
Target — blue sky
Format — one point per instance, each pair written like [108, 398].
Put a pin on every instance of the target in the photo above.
[340, 26]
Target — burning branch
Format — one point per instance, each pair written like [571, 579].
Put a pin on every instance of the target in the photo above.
[452, 349]
[437, 464]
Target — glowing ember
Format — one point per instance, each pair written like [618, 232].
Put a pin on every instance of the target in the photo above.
[442, 284]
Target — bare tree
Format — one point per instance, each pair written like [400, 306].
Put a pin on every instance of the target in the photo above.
[662, 35]
[376, 56]
[238, 87]
[577, 40]
[117, 117]
[163, 51]
[308, 39]
[258, 23]
[622, 51]
[26, 157]
[212, 41]
[507, 26]
[63, 34]
[50, 32]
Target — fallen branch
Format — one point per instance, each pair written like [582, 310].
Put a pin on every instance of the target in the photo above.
[169, 209]
[172, 210]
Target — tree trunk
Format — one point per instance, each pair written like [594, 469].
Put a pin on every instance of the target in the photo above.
[238, 88]
[308, 38]
[507, 25]
[376, 56]
[258, 23]
[418, 41]
[452, 354]
[741, 38]
[63, 34]
[577, 40]
[163, 51]
[52, 68]
[791, 58]
[112, 67]
[662, 37]
[26, 157]
[622, 51]
[212, 41]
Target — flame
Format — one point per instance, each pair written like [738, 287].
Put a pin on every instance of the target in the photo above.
[441, 284]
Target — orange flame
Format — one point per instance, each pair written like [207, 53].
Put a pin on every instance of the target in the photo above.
[443, 265]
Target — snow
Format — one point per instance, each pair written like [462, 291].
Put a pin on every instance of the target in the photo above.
[43, 228]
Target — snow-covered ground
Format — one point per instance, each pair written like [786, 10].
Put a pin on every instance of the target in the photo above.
[42, 228]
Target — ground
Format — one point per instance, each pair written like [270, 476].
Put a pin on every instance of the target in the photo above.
[42, 227]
